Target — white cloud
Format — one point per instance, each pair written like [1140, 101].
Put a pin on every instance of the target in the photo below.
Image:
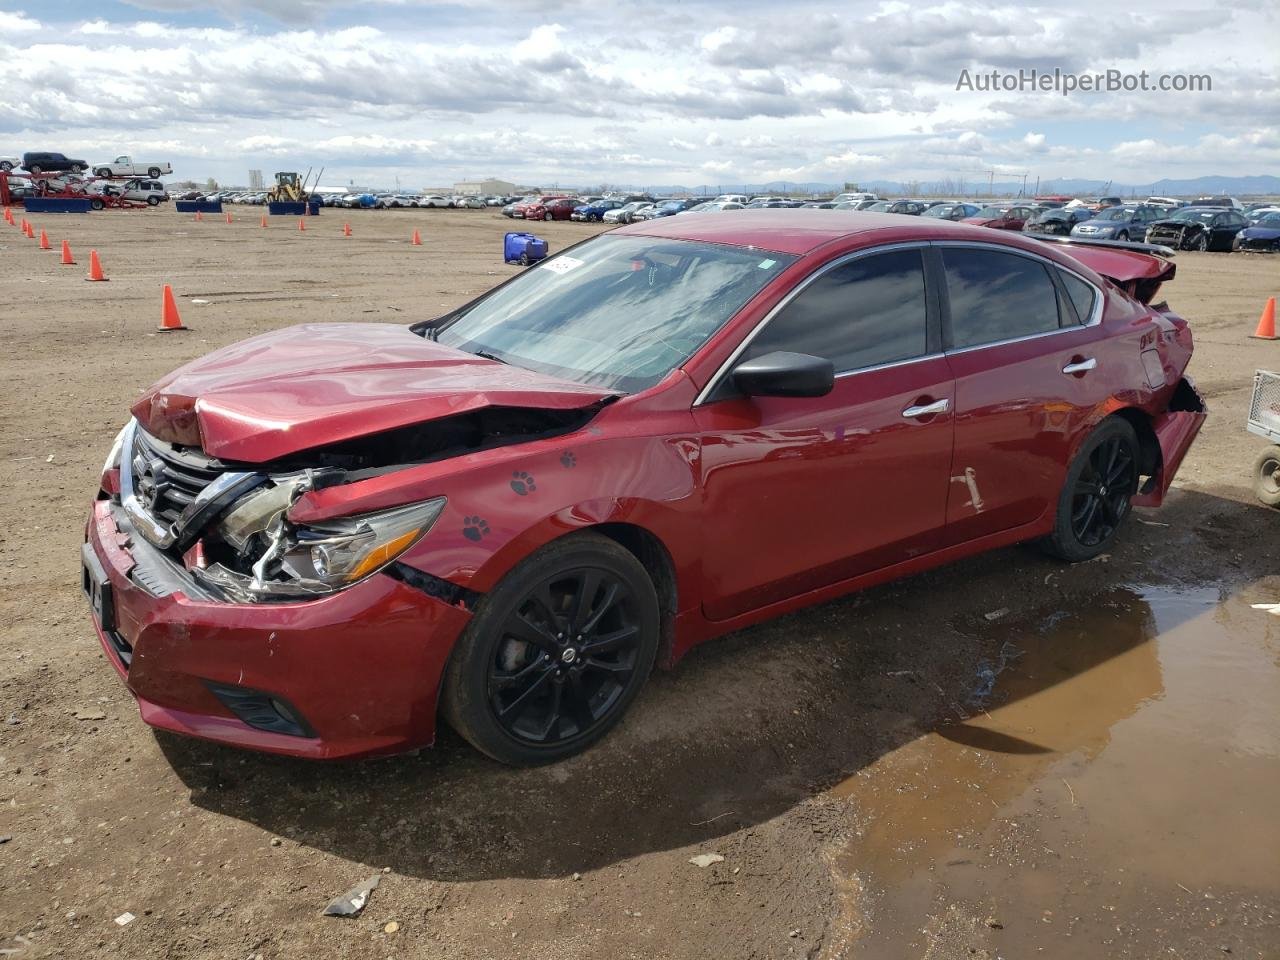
[545, 89]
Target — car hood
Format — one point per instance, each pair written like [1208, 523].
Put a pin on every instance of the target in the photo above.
[1178, 224]
[308, 386]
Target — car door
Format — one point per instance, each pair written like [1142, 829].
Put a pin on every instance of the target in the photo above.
[1027, 381]
[803, 492]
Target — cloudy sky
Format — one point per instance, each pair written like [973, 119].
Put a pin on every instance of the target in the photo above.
[583, 92]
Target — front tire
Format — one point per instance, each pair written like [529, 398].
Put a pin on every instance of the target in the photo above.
[1200, 243]
[103, 172]
[547, 217]
[1097, 493]
[555, 654]
[153, 173]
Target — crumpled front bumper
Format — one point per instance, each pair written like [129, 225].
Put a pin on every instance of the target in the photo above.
[361, 668]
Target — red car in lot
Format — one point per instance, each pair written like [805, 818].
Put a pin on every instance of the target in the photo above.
[537, 204]
[317, 541]
[1002, 217]
[558, 208]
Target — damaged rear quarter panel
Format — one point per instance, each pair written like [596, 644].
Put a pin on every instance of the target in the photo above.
[505, 502]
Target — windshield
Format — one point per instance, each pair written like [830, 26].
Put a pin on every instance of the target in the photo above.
[994, 213]
[1270, 219]
[1195, 216]
[1115, 213]
[942, 210]
[615, 312]
[879, 206]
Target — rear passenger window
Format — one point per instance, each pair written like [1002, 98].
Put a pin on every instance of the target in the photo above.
[1081, 295]
[867, 312]
[997, 296]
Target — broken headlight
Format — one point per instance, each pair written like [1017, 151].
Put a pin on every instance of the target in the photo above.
[281, 560]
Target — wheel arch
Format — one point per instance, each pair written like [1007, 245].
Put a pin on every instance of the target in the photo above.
[654, 556]
[1148, 445]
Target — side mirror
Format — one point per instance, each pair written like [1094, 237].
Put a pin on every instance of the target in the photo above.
[783, 374]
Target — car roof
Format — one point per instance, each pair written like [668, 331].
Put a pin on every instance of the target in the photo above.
[799, 232]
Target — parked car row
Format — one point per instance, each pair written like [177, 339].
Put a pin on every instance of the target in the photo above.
[1208, 223]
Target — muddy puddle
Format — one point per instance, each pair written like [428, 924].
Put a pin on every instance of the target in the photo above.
[1111, 789]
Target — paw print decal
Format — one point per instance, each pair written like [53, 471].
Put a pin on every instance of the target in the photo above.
[475, 528]
[568, 460]
[522, 483]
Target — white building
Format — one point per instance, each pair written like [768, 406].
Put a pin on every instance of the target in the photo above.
[483, 188]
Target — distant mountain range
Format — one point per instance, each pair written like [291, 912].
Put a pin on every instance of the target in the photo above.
[1266, 185]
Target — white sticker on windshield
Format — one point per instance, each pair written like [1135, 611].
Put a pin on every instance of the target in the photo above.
[562, 264]
[766, 264]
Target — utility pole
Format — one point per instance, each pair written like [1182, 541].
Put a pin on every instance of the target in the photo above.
[991, 183]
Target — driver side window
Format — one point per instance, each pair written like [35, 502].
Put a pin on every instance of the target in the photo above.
[864, 313]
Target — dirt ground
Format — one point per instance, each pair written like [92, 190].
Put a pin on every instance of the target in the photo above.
[1005, 758]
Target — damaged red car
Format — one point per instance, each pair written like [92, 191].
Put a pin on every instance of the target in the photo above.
[326, 539]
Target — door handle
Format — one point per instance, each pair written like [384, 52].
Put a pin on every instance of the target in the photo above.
[1080, 366]
[927, 409]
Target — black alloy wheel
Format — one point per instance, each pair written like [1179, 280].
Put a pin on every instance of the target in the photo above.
[566, 656]
[555, 653]
[1097, 492]
[1102, 491]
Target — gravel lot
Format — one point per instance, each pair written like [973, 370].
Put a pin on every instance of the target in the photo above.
[1006, 757]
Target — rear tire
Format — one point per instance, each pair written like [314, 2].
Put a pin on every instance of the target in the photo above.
[1096, 494]
[152, 201]
[555, 653]
[1266, 476]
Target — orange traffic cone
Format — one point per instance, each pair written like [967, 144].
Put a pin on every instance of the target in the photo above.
[8, 216]
[44, 240]
[95, 267]
[1267, 322]
[302, 223]
[346, 229]
[199, 215]
[66, 254]
[417, 240]
[169, 319]
[264, 221]
[228, 216]
[31, 230]
[26, 227]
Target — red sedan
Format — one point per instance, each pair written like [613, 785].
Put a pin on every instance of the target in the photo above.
[1002, 217]
[318, 541]
[559, 208]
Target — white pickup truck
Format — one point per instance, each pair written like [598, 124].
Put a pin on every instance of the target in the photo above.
[125, 167]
